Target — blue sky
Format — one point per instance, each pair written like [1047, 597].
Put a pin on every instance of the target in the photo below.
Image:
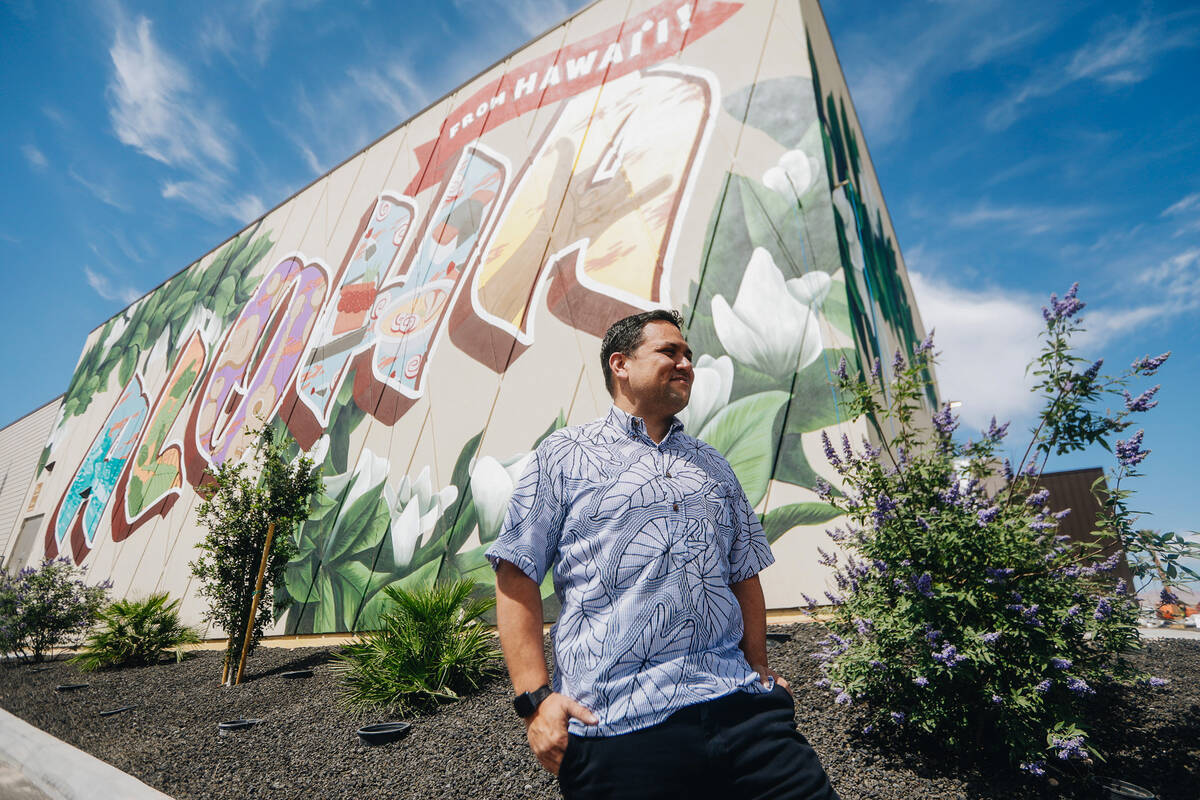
[1021, 146]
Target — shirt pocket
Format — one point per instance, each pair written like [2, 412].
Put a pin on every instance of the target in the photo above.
[716, 517]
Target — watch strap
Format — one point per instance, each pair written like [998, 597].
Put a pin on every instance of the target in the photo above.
[527, 703]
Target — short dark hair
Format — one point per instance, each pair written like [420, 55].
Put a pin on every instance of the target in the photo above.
[626, 335]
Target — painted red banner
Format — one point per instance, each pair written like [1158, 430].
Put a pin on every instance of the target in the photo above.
[638, 42]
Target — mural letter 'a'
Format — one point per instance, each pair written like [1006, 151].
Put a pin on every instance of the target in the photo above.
[591, 221]
[80, 510]
[255, 364]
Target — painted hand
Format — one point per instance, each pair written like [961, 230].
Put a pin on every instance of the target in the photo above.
[547, 728]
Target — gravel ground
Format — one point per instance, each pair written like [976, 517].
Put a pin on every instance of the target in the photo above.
[306, 745]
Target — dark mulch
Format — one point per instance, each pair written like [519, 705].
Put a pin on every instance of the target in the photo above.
[306, 745]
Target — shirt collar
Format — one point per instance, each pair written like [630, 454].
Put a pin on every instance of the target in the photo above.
[626, 423]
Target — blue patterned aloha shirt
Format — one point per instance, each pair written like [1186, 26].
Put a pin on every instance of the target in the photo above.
[644, 540]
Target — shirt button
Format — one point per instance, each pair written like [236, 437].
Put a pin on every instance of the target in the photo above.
[675, 506]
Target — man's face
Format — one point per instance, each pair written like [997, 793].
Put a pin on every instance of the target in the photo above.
[659, 371]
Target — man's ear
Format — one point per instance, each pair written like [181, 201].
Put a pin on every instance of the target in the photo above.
[616, 364]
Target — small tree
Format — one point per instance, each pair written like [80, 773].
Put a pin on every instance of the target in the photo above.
[238, 508]
[47, 607]
[962, 612]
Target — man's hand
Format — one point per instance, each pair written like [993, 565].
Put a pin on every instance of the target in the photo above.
[547, 728]
[765, 672]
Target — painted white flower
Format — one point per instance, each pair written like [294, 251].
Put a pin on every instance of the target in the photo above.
[369, 471]
[158, 351]
[793, 175]
[317, 452]
[773, 325]
[710, 392]
[415, 509]
[118, 328]
[203, 321]
[492, 486]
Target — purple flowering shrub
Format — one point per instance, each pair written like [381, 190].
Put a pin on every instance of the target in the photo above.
[46, 607]
[960, 611]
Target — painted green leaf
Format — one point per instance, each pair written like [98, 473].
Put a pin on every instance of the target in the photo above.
[374, 536]
[223, 298]
[128, 365]
[774, 223]
[325, 618]
[780, 107]
[378, 601]
[781, 520]
[356, 523]
[743, 433]
[321, 506]
[350, 597]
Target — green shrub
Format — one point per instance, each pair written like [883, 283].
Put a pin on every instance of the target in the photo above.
[962, 612]
[135, 632]
[431, 648]
[46, 607]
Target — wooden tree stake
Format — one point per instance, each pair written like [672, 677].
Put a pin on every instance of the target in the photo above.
[258, 585]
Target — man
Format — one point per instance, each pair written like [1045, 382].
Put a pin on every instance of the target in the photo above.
[661, 684]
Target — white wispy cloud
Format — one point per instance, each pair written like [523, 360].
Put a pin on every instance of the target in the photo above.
[154, 108]
[1189, 203]
[334, 121]
[1185, 213]
[101, 192]
[35, 157]
[986, 337]
[213, 200]
[1118, 55]
[105, 287]
[247, 27]
[1023, 218]
[889, 85]
[159, 109]
[532, 17]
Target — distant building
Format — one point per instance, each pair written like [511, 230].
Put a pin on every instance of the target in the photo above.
[1077, 489]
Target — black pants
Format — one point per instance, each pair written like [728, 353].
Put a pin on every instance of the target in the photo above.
[739, 747]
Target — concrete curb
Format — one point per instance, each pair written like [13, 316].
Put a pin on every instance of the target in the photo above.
[64, 772]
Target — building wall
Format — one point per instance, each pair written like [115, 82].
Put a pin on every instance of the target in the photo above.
[20, 443]
[423, 315]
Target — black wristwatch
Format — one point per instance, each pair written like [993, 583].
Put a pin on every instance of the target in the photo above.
[527, 702]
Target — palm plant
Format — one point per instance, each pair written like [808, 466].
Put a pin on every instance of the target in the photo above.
[431, 648]
[136, 632]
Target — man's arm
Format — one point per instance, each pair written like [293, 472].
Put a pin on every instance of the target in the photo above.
[519, 623]
[749, 595]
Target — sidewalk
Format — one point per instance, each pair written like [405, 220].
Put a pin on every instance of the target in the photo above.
[1169, 633]
[15, 786]
[51, 769]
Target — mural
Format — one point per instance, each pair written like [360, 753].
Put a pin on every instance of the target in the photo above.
[420, 318]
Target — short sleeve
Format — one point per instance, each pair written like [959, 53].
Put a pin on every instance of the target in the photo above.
[749, 551]
[529, 536]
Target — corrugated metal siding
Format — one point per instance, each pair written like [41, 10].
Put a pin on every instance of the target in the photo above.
[21, 445]
[1073, 489]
